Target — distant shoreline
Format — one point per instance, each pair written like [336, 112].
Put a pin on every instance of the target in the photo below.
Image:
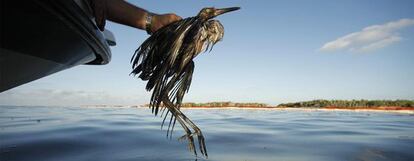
[401, 106]
[362, 109]
[386, 108]
[390, 109]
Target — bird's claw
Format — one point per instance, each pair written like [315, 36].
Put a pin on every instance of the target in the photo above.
[191, 144]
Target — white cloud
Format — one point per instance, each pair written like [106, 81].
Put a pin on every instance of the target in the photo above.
[370, 38]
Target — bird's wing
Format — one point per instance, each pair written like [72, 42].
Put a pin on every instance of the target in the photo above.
[154, 60]
[176, 88]
[182, 85]
[163, 45]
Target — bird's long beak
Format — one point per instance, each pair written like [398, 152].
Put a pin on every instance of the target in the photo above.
[225, 10]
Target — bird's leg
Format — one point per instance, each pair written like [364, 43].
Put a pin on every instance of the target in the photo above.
[178, 114]
[197, 131]
[189, 136]
[184, 120]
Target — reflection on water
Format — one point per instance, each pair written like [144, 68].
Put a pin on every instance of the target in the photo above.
[74, 133]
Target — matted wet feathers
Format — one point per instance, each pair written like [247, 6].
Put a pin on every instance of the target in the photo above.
[165, 61]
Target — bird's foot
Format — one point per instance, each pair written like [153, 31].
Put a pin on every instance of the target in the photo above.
[201, 142]
[191, 144]
[189, 137]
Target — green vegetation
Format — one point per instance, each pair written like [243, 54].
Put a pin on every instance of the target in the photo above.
[351, 103]
[223, 104]
[220, 104]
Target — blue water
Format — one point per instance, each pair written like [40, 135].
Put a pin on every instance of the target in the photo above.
[76, 133]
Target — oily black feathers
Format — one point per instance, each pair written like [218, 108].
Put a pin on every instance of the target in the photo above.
[169, 53]
[165, 61]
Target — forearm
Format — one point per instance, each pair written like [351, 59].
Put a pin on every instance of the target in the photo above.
[122, 12]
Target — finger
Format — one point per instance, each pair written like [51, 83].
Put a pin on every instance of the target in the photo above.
[173, 17]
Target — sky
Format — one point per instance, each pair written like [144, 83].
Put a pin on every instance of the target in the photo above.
[272, 52]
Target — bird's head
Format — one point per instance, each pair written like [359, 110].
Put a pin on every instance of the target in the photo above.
[211, 12]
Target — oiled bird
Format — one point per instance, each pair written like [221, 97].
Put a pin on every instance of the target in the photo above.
[165, 60]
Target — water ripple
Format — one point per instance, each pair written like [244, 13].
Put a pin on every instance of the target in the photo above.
[74, 133]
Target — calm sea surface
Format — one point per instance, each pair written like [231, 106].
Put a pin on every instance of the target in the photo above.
[75, 133]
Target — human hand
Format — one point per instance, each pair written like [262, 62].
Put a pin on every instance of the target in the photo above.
[158, 21]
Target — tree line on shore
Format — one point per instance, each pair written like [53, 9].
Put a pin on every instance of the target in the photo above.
[220, 104]
[351, 103]
[223, 104]
[314, 103]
